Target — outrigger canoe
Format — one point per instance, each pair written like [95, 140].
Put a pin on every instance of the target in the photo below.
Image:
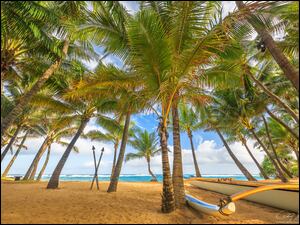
[282, 196]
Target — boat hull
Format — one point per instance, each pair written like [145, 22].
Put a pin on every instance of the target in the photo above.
[282, 199]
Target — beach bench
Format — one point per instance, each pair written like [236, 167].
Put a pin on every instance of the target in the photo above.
[17, 178]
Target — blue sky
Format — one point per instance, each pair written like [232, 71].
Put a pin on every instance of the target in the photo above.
[211, 155]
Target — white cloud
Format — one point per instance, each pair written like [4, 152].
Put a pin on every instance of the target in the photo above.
[211, 159]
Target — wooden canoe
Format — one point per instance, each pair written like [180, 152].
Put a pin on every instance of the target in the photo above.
[282, 199]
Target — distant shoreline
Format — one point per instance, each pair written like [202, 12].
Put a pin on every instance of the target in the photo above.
[132, 178]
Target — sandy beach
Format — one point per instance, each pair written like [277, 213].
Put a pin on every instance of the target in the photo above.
[133, 203]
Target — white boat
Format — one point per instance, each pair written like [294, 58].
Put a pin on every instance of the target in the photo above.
[287, 199]
[210, 209]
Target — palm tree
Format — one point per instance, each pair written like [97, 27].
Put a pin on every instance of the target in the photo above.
[280, 173]
[282, 139]
[273, 148]
[82, 112]
[159, 77]
[60, 142]
[69, 13]
[236, 161]
[11, 142]
[226, 108]
[146, 145]
[113, 133]
[11, 162]
[262, 172]
[53, 132]
[271, 114]
[189, 122]
[261, 28]
[45, 164]
[111, 81]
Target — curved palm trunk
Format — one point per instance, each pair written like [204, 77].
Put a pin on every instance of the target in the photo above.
[54, 180]
[150, 172]
[190, 135]
[296, 153]
[237, 162]
[10, 143]
[168, 199]
[282, 123]
[33, 167]
[274, 151]
[26, 98]
[289, 71]
[262, 172]
[178, 183]
[15, 156]
[116, 174]
[45, 164]
[279, 172]
[116, 145]
[276, 99]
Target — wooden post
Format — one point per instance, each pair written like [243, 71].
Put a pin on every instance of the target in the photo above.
[96, 171]
[95, 164]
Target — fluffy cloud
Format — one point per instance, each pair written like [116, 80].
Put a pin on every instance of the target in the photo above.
[211, 159]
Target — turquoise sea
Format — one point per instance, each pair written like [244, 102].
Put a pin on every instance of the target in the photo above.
[137, 178]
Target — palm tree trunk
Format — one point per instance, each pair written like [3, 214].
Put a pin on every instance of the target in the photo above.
[273, 149]
[178, 183]
[116, 145]
[262, 172]
[289, 71]
[276, 99]
[237, 162]
[26, 98]
[279, 172]
[282, 123]
[32, 168]
[190, 135]
[54, 180]
[168, 199]
[10, 143]
[116, 174]
[45, 164]
[150, 172]
[15, 156]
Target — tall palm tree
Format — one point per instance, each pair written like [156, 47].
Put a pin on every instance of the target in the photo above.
[146, 145]
[262, 172]
[189, 122]
[224, 109]
[11, 142]
[292, 131]
[158, 75]
[111, 81]
[53, 132]
[11, 162]
[82, 112]
[113, 133]
[39, 177]
[273, 148]
[60, 142]
[70, 13]
[257, 21]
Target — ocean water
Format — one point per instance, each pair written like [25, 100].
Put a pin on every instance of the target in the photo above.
[136, 177]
